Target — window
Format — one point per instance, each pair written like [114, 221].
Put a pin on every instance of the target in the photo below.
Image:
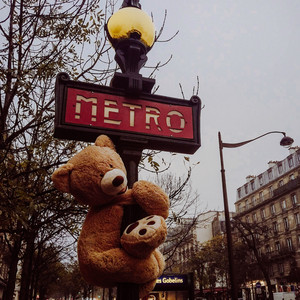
[246, 189]
[273, 209]
[289, 243]
[294, 199]
[277, 246]
[292, 177]
[286, 224]
[283, 204]
[252, 185]
[297, 219]
[254, 217]
[280, 169]
[260, 179]
[281, 183]
[253, 201]
[271, 270]
[261, 196]
[270, 174]
[263, 214]
[271, 191]
[247, 203]
[275, 228]
[239, 193]
[280, 268]
[268, 249]
[247, 219]
[291, 162]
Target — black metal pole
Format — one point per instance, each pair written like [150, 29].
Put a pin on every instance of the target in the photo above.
[234, 295]
[131, 155]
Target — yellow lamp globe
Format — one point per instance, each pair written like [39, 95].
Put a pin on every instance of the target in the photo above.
[129, 20]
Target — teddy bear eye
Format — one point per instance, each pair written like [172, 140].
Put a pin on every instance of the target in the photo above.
[101, 175]
[111, 166]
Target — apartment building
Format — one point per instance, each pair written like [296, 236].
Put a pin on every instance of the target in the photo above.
[272, 199]
[196, 232]
[191, 232]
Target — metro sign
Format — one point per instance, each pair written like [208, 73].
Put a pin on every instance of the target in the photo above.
[83, 111]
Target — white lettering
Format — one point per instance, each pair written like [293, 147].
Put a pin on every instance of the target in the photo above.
[109, 109]
[80, 98]
[132, 108]
[182, 121]
[152, 113]
[172, 280]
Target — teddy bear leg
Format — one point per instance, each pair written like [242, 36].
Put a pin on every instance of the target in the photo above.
[160, 261]
[116, 265]
[146, 288]
[141, 238]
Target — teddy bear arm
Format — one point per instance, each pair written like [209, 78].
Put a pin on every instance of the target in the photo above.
[151, 198]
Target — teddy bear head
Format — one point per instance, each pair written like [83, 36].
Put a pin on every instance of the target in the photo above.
[94, 176]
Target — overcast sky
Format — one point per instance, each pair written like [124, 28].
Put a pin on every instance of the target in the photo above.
[246, 54]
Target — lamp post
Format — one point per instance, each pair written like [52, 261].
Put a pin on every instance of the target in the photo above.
[131, 32]
[285, 141]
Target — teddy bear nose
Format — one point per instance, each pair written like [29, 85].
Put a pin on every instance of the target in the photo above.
[118, 181]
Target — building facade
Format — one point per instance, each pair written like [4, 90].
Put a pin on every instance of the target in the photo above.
[271, 200]
[196, 232]
[193, 233]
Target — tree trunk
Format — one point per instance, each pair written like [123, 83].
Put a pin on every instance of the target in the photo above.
[271, 297]
[12, 274]
[27, 268]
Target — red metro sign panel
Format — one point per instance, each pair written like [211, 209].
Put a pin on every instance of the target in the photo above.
[83, 111]
[121, 113]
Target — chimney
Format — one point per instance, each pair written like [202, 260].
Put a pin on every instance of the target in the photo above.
[293, 149]
[250, 177]
[272, 163]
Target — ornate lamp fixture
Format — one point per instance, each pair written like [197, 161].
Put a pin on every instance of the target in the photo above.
[131, 32]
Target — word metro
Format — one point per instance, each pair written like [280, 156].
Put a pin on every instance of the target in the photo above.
[117, 112]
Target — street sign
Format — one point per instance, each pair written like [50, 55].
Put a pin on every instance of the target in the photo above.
[178, 282]
[84, 111]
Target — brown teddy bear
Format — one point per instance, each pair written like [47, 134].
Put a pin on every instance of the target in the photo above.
[96, 176]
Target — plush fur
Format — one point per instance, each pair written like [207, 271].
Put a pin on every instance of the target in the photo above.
[96, 176]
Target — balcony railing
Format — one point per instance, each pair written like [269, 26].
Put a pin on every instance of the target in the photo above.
[280, 254]
[291, 185]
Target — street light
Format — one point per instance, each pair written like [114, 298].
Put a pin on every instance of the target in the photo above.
[285, 141]
[131, 32]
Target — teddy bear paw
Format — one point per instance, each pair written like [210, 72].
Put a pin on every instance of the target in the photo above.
[142, 237]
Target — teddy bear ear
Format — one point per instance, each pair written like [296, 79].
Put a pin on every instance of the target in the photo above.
[61, 176]
[104, 141]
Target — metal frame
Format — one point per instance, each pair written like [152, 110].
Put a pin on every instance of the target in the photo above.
[142, 141]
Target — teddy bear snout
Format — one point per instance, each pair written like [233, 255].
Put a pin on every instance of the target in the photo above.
[118, 181]
[114, 182]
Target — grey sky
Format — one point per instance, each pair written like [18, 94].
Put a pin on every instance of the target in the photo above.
[246, 54]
